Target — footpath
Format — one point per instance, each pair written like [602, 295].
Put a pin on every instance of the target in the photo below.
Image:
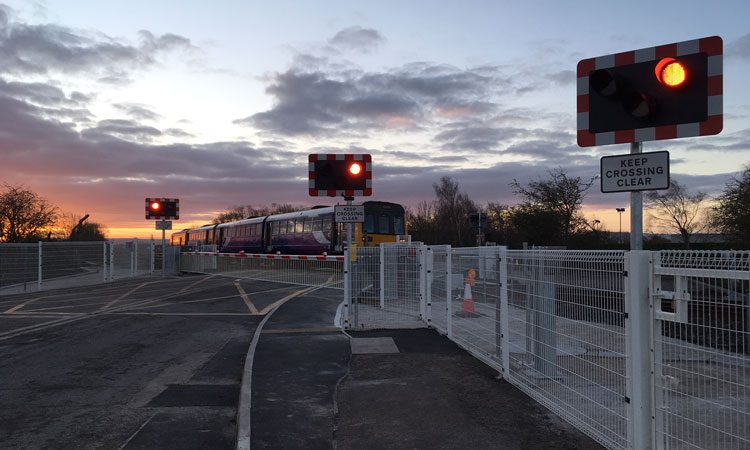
[316, 387]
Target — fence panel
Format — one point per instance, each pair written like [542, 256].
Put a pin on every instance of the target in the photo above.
[440, 287]
[475, 308]
[72, 263]
[567, 343]
[19, 267]
[702, 349]
[290, 269]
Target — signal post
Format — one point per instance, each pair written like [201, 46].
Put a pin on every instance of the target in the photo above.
[161, 209]
[664, 92]
[347, 175]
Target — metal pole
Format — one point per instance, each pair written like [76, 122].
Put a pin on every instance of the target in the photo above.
[39, 268]
[639, 345]
[636, 209]
[104, 260]
[349, 269]
[382, 276]
[163, 248]
[449, 290]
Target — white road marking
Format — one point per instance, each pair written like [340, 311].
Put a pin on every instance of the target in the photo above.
[17, 307]
[124, 295]
[125, 444]
[245, 297]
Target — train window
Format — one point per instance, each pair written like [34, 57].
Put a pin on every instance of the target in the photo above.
[384, 224]
[256, 229]
[290, 226]
[274, 228]
[398, 225]
[299, 225]
[308, 225]
[326, 222]
[369, 223]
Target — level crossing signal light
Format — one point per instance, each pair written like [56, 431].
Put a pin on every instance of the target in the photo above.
[160, 208]
[664, 92]
[332, 175]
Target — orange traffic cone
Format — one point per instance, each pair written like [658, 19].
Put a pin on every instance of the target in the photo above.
[467, 307]
[468, 304]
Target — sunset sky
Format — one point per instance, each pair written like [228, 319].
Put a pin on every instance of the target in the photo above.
[219, 103]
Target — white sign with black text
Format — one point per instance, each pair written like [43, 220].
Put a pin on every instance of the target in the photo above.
[349, 213]
[635, 172]
[163, 224]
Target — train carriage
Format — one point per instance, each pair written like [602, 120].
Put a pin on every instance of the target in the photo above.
[308, 232]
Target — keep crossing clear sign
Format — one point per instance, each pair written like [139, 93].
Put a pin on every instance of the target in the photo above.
[349, 213]
[635, 172]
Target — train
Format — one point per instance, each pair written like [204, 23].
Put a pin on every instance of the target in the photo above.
[309, 232]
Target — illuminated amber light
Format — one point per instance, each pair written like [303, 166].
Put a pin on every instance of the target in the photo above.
[355, 169]
[155, 206]
[671, 72]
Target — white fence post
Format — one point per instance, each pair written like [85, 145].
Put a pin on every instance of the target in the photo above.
[429, 264]
[135, 257]
[504, 311]
[151, 268]
[448, 291]
[104, 260]
[39, 268]
[382, 276]
[422, 278]
[347, 290]
[111, 261]
[639, 335]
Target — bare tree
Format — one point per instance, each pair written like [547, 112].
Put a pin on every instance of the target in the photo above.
[560, 194]
[421, 223]
[240, 212]
[452, 209]
[24, 215]
[676, 209]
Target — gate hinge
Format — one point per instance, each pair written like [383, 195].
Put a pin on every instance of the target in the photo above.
[627, 316]
[625, 273]
[627, 399]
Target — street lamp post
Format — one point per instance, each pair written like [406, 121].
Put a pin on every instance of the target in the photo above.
[620, 211]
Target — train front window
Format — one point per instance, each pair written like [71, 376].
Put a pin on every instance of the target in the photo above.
[369, 224]
[384, 222]
[398, 225]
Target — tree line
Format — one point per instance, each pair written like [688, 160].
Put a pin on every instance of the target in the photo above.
[549, 214]
[25, 216]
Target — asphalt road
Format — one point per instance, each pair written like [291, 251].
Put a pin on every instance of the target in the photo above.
[136, 364]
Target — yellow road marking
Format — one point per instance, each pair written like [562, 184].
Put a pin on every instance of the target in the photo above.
[17, 307]
[245, 297]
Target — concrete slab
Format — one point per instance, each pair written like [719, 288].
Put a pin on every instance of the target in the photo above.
[361, 346]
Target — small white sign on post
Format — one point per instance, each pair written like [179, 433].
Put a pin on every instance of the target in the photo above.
[635, 172]
[163, 224]
[349, 213]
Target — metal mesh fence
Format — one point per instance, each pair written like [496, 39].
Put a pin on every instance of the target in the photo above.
[474, 310]
[702, 349]
[387, 288]
[567, 343]
[72, 259]
[440, 287]
[49, 265]
[19, 267]
[302, 270]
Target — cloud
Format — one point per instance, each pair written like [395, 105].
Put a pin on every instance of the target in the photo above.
[739, 48]
[124, 129]
[321, 103]
[137, 111]
[357, 38]
[49, 48]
